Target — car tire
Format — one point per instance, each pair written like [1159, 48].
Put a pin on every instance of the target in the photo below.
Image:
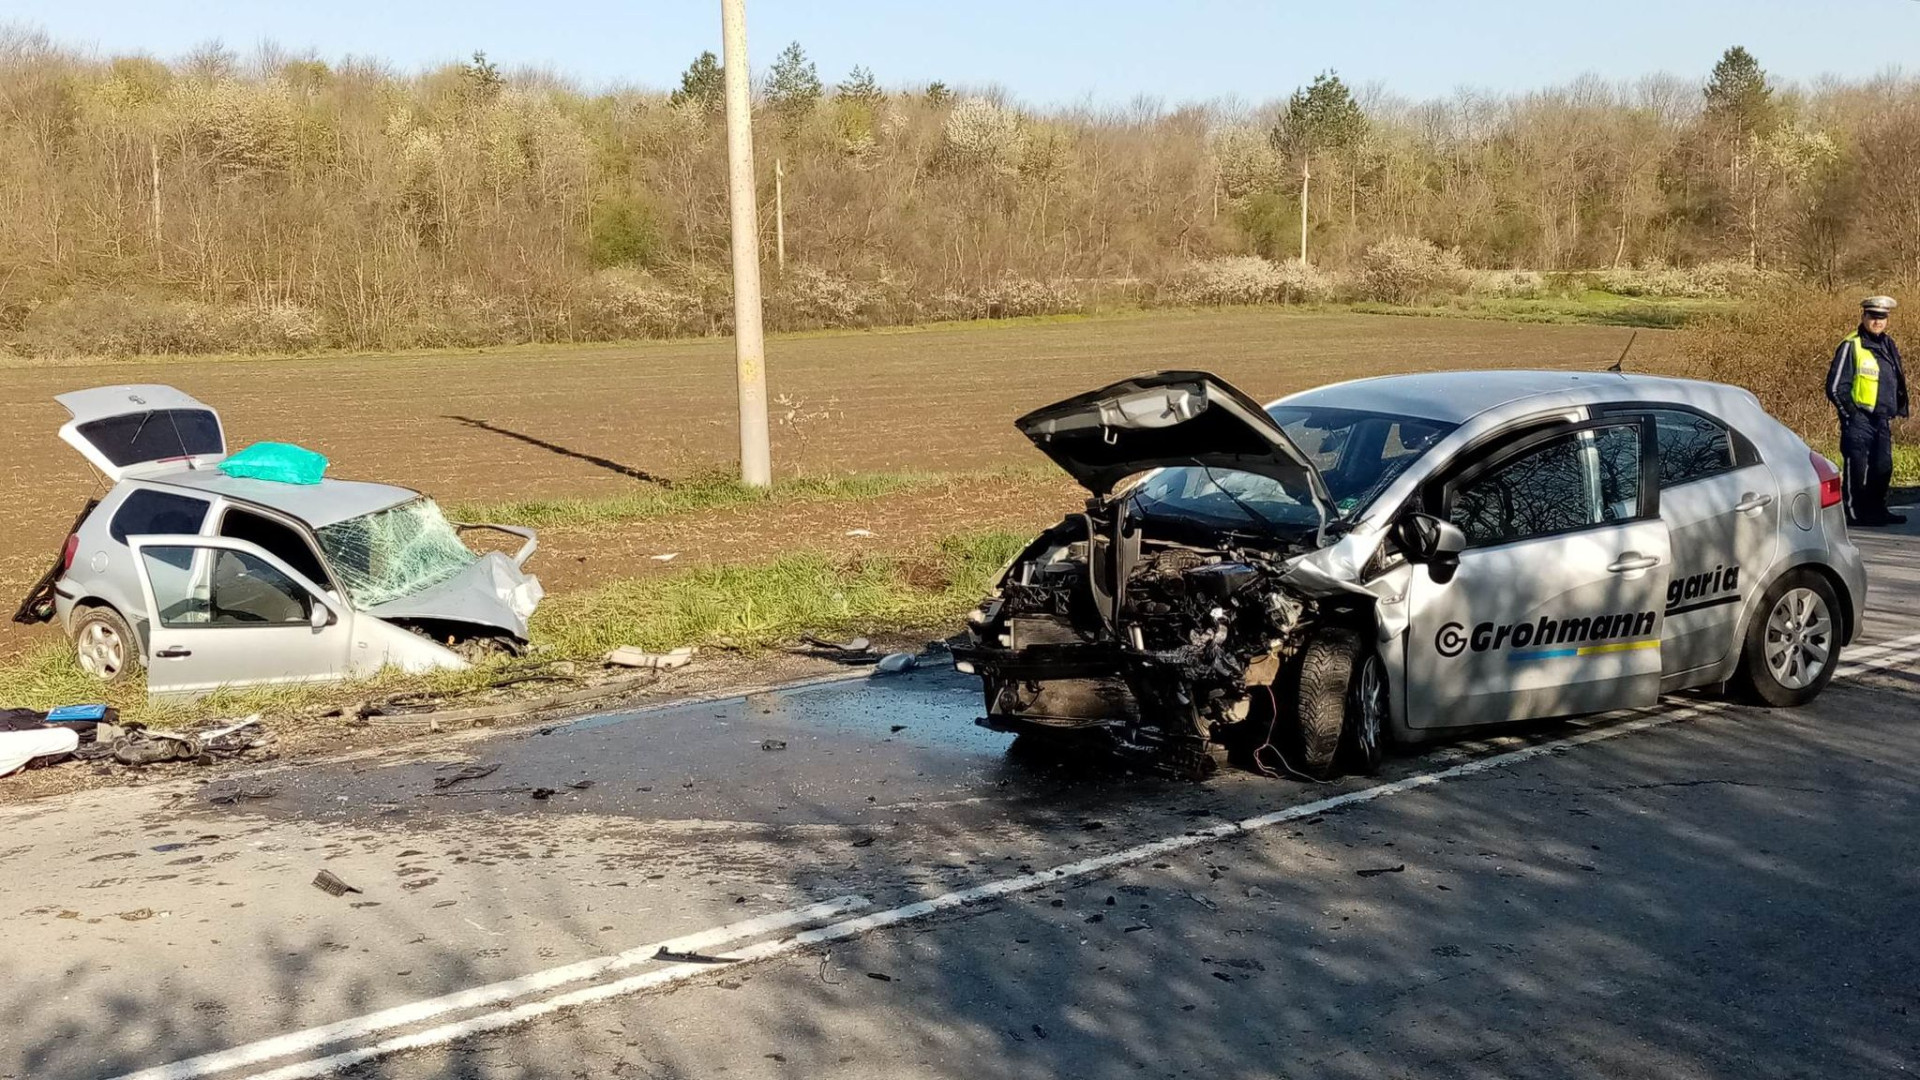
[1364, 734]
[1792, 643]
[105, 646]
[1328, 669]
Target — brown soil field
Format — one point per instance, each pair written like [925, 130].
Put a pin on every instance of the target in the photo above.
[585, 421]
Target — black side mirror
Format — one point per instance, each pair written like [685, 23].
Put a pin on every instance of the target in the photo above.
[1428, 540]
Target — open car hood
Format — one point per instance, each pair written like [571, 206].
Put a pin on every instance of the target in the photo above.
[492, 591]
[1166, 420]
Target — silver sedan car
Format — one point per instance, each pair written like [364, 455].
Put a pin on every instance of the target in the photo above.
[1400, 558]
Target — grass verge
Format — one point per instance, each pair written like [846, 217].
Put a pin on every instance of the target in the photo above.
[750, 607]
[716, 492]
[1591, 306]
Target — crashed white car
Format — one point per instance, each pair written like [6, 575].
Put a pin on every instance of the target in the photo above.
[213, 581]
[1408, 557]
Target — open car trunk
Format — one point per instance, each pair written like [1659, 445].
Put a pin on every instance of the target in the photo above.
[130, 430]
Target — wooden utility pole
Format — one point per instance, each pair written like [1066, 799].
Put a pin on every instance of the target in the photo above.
[749, 343]
[159, 234]
[779, 216]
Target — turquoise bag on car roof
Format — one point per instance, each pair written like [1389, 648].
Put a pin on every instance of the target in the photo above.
[282, 463]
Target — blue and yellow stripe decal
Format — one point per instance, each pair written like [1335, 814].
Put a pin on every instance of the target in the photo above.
[1584, 650]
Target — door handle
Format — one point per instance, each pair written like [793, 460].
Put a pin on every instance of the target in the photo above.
[1631, 561]
[174, 653]
[1751, 502]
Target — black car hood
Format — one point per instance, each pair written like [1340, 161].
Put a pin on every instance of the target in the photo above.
[1167, 420]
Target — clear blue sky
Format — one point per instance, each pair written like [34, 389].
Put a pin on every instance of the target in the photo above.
[1045, 51]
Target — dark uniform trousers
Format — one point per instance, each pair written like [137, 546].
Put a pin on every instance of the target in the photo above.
[1866, 447]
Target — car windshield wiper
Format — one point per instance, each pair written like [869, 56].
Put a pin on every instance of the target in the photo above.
[1271, 525]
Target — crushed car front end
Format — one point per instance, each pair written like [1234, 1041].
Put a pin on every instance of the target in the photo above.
[1176, 607]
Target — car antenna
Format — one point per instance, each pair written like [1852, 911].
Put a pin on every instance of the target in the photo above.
[1616, 368]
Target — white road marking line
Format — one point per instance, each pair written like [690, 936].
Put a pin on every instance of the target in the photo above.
[767, 950]
[1858, 651]
[493, 994]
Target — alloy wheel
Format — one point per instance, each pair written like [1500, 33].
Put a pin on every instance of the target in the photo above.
[100, 651]
[1799, 641]
[1370, 703]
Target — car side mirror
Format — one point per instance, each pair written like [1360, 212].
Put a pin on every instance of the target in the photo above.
[1436, 544]
[320, 617]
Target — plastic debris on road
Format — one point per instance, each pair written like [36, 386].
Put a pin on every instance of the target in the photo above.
[635, 657]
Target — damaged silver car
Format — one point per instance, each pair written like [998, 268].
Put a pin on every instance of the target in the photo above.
[212, 581]
[1410, 556]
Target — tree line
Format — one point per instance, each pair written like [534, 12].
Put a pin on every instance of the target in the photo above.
[281, 201]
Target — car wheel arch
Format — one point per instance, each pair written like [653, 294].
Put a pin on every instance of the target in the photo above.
[1811, 563]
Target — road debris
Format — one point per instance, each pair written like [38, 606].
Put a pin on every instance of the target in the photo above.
[667, 556]
[228, 798]
[896, 663]
[673, 957]
[878, 977]
[1203, 901]
[327, 882]
[20, 748]
[773, 744]
[542, 794]
[1376, 871]
[469, 772]
[635, 657]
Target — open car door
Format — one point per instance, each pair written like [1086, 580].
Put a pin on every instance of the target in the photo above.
[129, 430]
[223, 613]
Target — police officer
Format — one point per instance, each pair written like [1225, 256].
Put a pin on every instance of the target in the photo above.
[1866, 385]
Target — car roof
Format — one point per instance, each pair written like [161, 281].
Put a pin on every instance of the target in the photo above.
[1456, 396]
[319, 505]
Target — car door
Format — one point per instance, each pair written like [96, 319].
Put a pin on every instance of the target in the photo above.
[1555, 607]
[1722, 508]
[224, 613]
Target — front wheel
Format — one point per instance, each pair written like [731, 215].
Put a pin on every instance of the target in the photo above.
[1792, 643]
[1341, 702]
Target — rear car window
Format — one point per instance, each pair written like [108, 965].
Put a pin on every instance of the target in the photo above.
[157, 513]
[1692, 446]
[154, 436]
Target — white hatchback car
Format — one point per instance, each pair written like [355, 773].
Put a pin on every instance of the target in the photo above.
[211, 581]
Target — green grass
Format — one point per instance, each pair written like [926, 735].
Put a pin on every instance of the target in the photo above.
[750, 607]
[718, 491]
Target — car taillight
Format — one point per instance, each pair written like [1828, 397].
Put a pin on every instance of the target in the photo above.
[1829, 480]
[67, 553]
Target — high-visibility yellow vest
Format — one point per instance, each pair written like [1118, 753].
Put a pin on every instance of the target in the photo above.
[1866, 373]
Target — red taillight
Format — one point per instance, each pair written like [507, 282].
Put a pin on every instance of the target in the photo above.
[1829, 480]
[67, 553]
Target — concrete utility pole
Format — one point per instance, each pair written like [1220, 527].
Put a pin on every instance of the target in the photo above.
[749, 344]
[1304, 175]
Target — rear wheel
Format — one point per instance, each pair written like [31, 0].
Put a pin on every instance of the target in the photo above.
[1792, 643]
[105, 646]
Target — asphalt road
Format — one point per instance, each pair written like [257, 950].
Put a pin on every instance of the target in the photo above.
[1698, 890]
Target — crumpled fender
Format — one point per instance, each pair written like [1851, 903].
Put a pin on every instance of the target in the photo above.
[492, 592]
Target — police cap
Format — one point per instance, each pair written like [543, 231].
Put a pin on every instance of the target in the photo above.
[1878, 305]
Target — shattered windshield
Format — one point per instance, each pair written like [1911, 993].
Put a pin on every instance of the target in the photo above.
[394, 552]
[1358, 454]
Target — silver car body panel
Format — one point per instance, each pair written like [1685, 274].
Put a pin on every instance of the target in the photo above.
[1698, 647]
[185, 661]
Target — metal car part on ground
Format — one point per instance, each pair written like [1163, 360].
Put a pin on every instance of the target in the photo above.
[210, 581]
[1399, 558]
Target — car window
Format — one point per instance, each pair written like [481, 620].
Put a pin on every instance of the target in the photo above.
[1692, 446]
[1568, 482]
[222, 588]
[154, 435]
[1358, 453]
[147, 512]
[278, 540]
